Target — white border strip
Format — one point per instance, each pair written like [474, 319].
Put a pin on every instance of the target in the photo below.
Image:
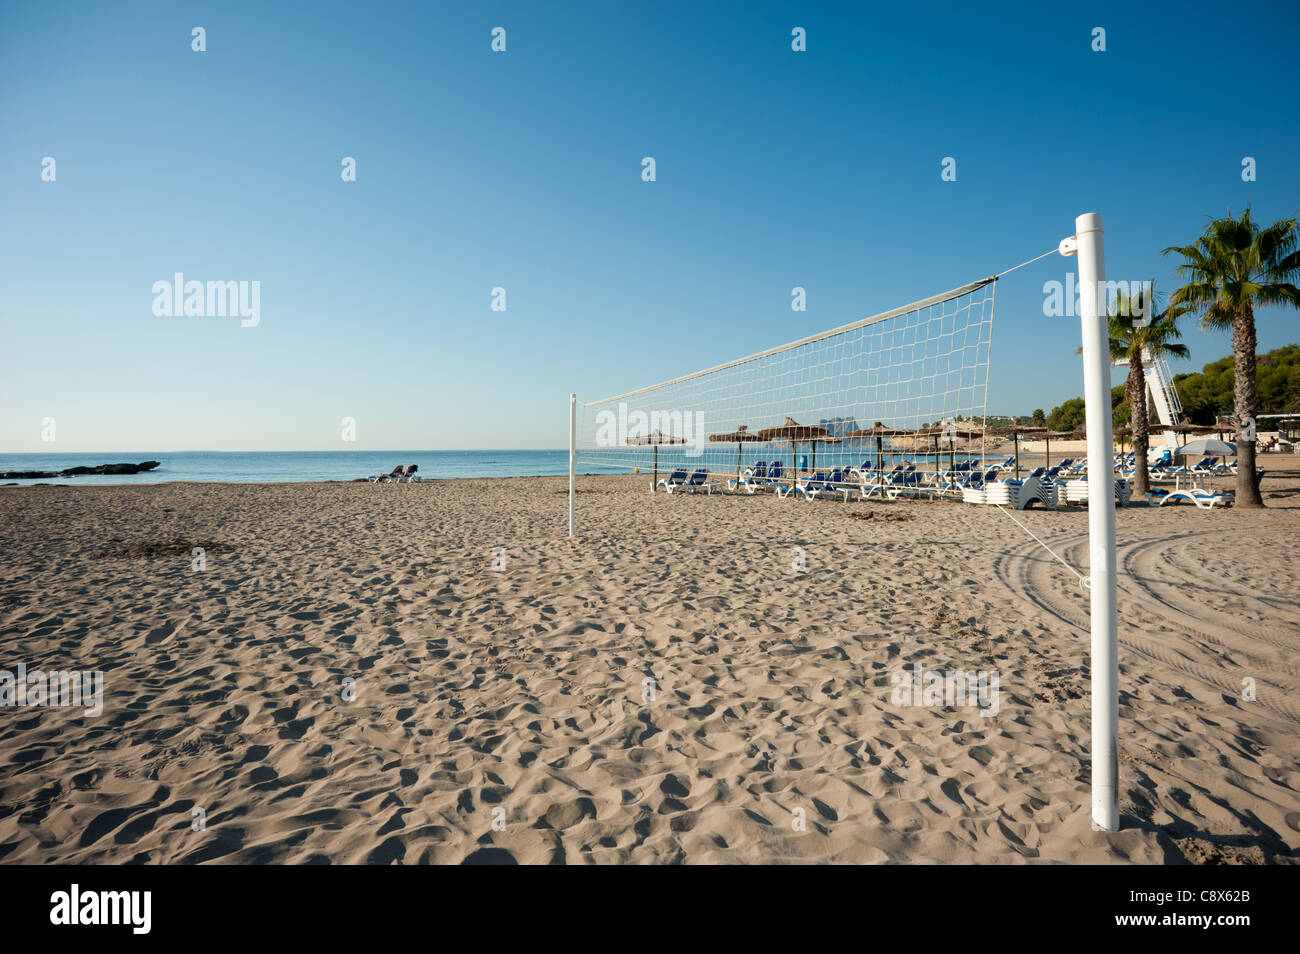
[892, 313]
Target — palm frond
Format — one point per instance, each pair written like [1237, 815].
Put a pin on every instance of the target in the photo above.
[1235, 266]
[1219, 315]
[1279, 294]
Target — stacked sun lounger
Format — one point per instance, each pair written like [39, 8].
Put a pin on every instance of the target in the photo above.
[1015, 494]
[1076, 491]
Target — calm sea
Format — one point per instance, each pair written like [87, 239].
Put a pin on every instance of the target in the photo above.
[273, 466]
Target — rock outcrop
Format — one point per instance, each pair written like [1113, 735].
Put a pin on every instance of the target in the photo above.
[111, 469]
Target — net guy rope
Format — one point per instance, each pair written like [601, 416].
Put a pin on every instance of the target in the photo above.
[859, 387]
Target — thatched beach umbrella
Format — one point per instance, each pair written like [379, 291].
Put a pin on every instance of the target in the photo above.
[739, 436]
[919, 435]
[1018, 430]
[1226, 424]
[951, 432]
[1187, 427]
[965, 432]
[795, 433]
[822, 440]
[1121, 433]
[654, 438]
[918, 439]
[1076, 434]
[879, 431]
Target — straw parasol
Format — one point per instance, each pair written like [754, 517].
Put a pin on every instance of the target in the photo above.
[654, 438]
[1225, 424]
[739, 436]
[952, 431]
[1121, 433]
[932, 433]
[832, 439]
[1017, 430]
[1187, 427]
[879, 431]
[795, 433]
[1075, 434]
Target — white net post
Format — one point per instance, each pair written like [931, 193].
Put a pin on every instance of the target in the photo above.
[573, 455]
[1101, 522]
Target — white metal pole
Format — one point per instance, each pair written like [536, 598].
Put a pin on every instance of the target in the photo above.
[1101, 522]
[573, 454]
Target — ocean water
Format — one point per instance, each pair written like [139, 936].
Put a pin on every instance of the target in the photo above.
[275, 466]
[278, 466]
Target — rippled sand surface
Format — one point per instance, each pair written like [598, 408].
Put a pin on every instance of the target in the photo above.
[668, 686]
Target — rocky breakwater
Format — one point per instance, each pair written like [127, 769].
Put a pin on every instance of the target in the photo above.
[108, 469]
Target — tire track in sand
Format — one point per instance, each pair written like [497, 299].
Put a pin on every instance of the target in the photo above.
[1043, 583]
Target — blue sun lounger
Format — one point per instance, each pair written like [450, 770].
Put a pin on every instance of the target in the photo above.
[675, 479]
[752, 480]
[699, 480]
[809, 487]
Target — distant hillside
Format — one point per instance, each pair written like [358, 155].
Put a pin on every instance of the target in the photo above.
[1209, 393]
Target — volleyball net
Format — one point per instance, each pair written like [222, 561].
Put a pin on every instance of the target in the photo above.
[848, 397]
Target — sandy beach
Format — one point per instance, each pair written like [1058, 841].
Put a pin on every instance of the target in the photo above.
[666, 687]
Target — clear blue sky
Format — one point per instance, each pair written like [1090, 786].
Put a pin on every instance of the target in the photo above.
[523, 170]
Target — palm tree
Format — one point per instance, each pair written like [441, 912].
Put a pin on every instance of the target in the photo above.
[1233, 268]
[1135, 343]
